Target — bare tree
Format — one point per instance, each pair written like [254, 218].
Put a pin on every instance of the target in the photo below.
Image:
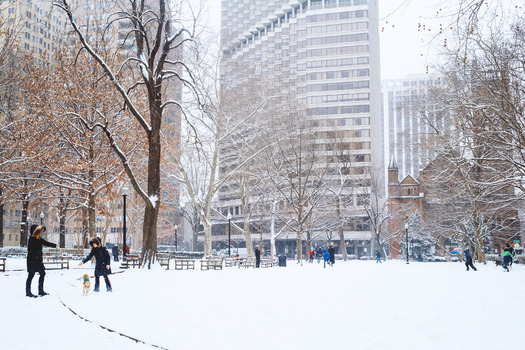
[156, 35]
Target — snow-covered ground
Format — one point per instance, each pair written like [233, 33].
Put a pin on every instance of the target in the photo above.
[354, 305]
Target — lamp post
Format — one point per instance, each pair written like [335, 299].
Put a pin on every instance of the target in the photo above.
[229, 217]
[176, 228]
[406, 231]
[42, 218]
[124, 193]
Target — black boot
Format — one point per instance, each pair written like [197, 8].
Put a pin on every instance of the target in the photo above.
[31, 295]
[42, 293]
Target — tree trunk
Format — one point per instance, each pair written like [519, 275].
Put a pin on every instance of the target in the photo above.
[62, 227]
[151, 213]
[92, 218]
[207, 239]
[85, 238]
[299, 247]
[340, 231]
[1, 219]
[149, 243]
[24, 223]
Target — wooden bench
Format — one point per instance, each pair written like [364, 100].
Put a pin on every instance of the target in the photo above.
[267, 262]
[229, 262]
[2, 264]
[164, 260]
[182, 263]
[50, 258]
[248, 262]
[133, 260]
[212, 262]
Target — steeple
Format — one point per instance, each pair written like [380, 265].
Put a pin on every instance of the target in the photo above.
[393, 171]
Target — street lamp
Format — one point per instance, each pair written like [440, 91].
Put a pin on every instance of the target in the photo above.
[124, 192]
[42, 218]
[229, 217]
[176, 228]
[406, 231]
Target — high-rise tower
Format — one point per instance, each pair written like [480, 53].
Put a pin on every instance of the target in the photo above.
[325, 55]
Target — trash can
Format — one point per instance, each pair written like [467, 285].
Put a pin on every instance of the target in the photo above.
[282, 260]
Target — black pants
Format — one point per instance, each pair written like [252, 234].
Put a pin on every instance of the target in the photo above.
[30, 276]
[97, 282]
[469, 263]
[115, 257]
[257, 263]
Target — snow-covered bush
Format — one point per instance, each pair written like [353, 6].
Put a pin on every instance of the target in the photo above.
[15, 251]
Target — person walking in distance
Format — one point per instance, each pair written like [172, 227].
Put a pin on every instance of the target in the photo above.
[331, 250]
[507, 259]
[378, 257]
[114, 251]
[468, 260]
[257, 256]
[35, 260]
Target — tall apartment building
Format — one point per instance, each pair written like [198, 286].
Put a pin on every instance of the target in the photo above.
[411, 119]
[325, 54]
[38, 26]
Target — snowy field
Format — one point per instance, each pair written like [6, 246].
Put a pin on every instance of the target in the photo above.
[354, 305]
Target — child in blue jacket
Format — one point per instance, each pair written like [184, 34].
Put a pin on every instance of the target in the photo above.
[326, 257]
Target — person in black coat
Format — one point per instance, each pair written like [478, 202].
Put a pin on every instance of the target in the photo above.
[35, 262]
[468, 260]
[114, 250]
[257, 256]
[331, 250]
[102, 263]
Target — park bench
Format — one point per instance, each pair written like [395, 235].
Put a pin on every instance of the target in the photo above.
[269, 262]
[164, 260]
[133, 260]
[56, 259]
[229, 262]
[212, 262]
[248, 262]
[182, 263]
[2, 264]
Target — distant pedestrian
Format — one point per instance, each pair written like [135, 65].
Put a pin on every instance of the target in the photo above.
[468, 260]
[378, 257]
[511, 250]
[326, 257]
[102, 263]
[311, 252]
[331, 250]
[35, 259]
[319, 254]
[114, 250]
[507, 259]
[257, 256]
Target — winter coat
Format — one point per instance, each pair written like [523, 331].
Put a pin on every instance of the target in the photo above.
[331, 250]
[114, 250]
[507, 257]
[257, 254]
[101, 260]
[35, 261]
[326, 255]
